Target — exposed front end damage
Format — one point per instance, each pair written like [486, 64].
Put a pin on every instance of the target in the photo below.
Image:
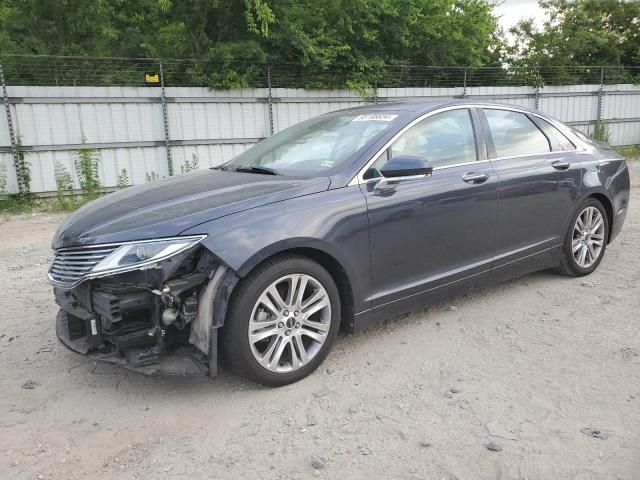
[162, 318]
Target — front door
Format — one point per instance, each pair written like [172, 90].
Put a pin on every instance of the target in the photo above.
[436, 231]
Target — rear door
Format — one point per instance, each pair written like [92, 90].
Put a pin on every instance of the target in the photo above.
[539, 180]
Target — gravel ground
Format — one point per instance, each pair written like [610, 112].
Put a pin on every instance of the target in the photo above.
[538, 378]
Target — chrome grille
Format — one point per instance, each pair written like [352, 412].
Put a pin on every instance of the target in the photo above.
[70, 265]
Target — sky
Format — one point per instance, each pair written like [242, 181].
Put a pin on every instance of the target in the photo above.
[511, 11]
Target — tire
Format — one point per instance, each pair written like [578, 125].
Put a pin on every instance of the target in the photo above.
[299, 327]
[571, 263]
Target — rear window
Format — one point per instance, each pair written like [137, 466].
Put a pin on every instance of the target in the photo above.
[514, 134]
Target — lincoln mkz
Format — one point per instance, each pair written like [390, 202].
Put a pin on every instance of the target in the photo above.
[335, 223]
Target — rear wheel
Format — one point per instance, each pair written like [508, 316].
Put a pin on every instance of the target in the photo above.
[282, 321]
[586, 240]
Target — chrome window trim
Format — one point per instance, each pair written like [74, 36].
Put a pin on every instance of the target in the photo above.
[358, 178]
[444, 167]
[118, 244]
[559, 152]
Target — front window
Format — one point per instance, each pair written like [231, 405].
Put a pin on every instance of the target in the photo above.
[443, 139]
[318, 147]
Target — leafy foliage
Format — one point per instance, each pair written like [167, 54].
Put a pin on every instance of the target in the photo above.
[64, 188]
[3, 178]
[123, 179]
[87, 165]
[345, 39]
[190, 165]
[630, 152]
[22, 201]
[601, 132]
[151, 176]
[23, 171]
[355, 44]
[584, 32]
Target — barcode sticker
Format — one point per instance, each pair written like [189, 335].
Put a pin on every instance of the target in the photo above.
[375, 117]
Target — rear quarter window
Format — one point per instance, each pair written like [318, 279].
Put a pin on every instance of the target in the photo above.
[556, 136]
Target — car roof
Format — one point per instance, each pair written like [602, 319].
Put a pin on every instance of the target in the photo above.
[421, 106]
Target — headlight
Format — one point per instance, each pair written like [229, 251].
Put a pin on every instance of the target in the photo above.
[136, 255]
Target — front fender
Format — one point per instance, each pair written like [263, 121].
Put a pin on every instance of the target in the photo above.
[333, 222]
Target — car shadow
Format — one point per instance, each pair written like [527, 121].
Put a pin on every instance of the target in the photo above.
[111, 378]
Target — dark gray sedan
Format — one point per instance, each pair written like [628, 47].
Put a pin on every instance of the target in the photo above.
[337, 222]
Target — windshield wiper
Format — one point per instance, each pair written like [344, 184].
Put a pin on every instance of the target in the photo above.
[224, 168]
[263, 170]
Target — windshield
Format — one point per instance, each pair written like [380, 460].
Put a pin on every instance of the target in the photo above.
[318, 147]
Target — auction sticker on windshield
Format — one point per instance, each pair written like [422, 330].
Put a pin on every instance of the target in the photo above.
[376, 117]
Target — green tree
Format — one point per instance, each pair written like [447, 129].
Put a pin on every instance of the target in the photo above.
[577, 33]
[327, 43]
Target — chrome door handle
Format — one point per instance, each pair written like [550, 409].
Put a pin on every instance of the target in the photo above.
[560, 165]
[389, 184]
[472, 177]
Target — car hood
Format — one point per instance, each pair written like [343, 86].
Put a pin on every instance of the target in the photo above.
[168, 207]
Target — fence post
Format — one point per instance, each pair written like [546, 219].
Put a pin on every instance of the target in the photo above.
[12, 136]
[375, 91]
[165, 118]
[464, 84]
[269, 101]
[600, 97]
[537, 98]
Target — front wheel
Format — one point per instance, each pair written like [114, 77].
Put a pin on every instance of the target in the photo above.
[282, 321]
[586, 240]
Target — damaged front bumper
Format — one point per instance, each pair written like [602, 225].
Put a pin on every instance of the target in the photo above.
[148, 360]
[162, 319]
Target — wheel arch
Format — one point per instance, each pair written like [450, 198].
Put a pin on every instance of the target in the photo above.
[603, 197]
[340, 276]
[335, 267]
[608, 207]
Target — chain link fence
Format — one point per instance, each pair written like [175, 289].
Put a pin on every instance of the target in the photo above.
[84, 71]
[180, 110]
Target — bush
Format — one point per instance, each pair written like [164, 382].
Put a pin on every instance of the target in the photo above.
[123, 179]
[12, 203]
[601, 132]
[190, 165]
[20, 202]
[64, 188]
[87, 165]
[3, 179]
[23, 171]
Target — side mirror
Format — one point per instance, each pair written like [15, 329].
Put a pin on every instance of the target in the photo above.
[399, 169]
[406, 166]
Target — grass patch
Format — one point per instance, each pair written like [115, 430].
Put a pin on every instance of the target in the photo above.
[12, 204]
[630, 152]
[66, 204]
[17, 204]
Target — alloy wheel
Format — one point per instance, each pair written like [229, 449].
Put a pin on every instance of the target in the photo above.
[588, 237]
[289, 323]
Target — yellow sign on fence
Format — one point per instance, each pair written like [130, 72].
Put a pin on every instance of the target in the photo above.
[152, 78]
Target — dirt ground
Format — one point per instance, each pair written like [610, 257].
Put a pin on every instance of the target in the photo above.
[546, 367]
